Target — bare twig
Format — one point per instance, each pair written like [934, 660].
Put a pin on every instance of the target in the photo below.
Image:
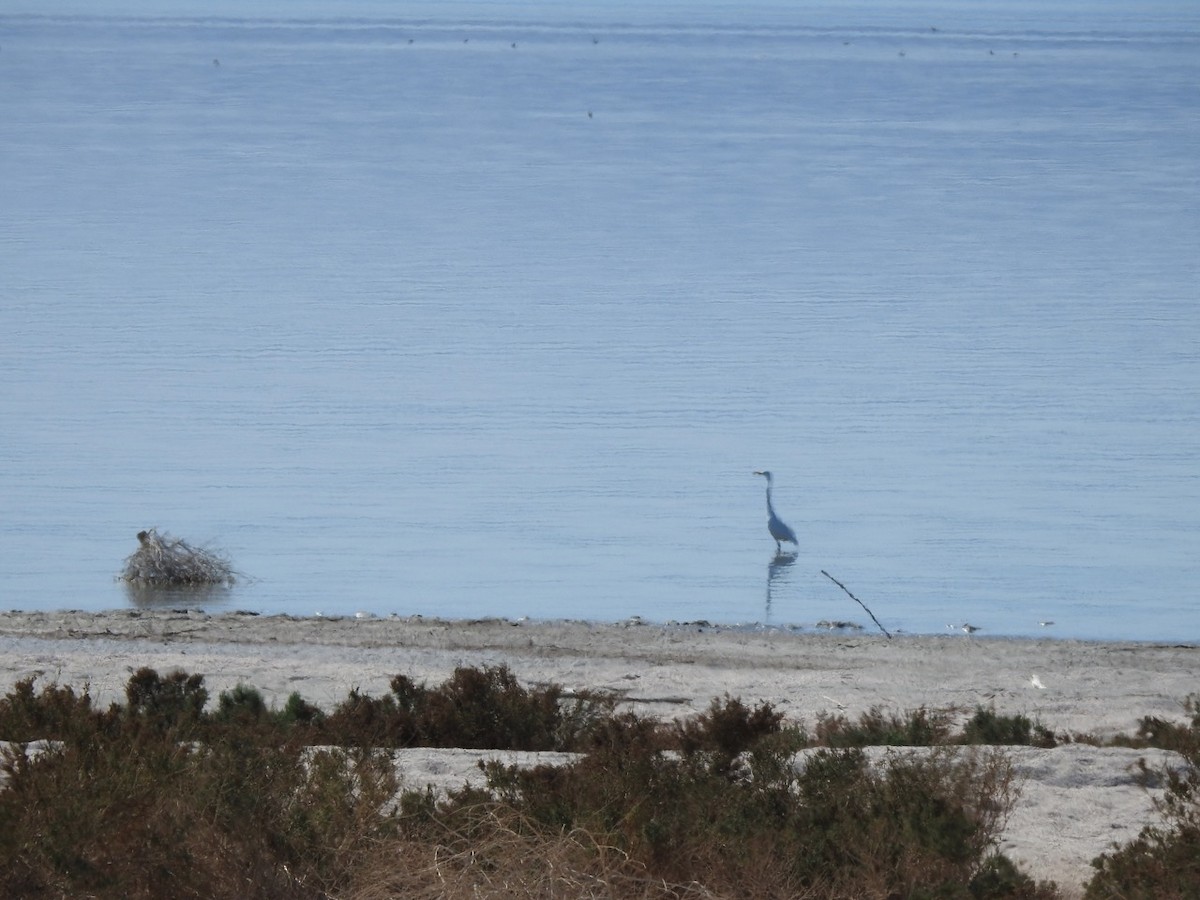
[856, 600]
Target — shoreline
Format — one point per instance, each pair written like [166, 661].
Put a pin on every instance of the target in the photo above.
[1077, 800]
[1101, 687]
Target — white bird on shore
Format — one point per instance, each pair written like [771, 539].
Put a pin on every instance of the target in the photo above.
[775, 525]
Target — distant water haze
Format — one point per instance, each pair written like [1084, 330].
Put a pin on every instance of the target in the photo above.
[404, 318]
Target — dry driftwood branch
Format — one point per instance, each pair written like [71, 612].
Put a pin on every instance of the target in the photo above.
[163, 561]
[856, 600]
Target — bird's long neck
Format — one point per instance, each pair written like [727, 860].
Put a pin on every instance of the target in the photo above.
[770, 509]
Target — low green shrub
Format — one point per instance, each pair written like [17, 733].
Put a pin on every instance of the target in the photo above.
[298, 711]
[243, 704]
[987, 726]
[1163, 861]
[879, 728]
[475, 709]
[171, 703]
[51, 714]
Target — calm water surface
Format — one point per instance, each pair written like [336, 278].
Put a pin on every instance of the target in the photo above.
[405, 318]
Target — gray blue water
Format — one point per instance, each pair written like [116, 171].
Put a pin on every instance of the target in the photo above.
[493, 310]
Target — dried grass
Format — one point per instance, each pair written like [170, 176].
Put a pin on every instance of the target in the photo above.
[503, 854]
[162, 561]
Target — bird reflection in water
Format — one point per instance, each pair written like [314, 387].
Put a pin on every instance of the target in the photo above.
[777, 574]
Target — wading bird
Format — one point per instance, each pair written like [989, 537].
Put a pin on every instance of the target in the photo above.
[775, 525]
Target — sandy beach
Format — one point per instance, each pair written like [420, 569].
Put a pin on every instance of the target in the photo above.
[1076, 800]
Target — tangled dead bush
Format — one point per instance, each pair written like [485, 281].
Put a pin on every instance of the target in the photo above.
[162, 561]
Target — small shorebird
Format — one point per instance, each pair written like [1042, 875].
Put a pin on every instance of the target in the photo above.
[965, 627]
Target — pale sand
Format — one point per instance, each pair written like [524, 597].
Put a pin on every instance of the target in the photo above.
[1077, 800]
